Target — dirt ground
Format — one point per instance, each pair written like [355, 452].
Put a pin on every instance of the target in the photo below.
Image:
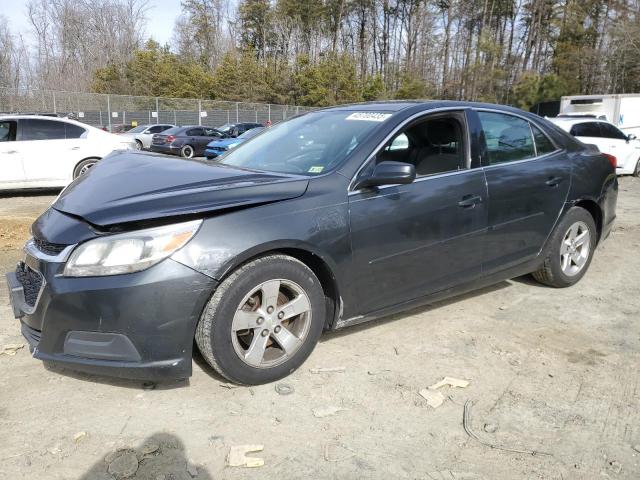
[551, 371]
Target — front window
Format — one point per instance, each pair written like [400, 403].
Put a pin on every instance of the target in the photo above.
[7, 131]
[433, 145]
[311, 144]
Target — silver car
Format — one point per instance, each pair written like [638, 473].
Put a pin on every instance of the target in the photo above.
[142, 133]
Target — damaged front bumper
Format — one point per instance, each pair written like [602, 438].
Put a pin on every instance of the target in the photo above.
[138, 325]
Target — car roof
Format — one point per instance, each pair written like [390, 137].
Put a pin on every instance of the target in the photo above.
[46, 117]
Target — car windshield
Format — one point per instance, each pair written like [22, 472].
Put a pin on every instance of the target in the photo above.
[311, 144]
[138, 129]
[224, 128]
[251, 133]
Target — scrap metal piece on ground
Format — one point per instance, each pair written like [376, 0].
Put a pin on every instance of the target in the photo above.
[11, 349]
[322, 412]
[434, 399]
[328, 370]
[284, 389]
[237, 456]
[466, 424]
[452, 382]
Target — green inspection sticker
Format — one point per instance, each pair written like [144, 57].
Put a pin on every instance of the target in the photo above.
[316, 169]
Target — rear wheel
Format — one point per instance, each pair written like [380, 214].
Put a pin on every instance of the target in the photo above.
[263, 321]
[636, 172]
[83, 167]
[187, 151]
[569, 251]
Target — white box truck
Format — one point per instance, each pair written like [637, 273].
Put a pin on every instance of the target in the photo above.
[622, 110]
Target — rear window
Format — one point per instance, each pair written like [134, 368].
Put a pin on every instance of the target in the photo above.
[543, 144]
[173, 131]
[38, 129]
[7, 131]
[586, 129]
[74, 131]
[508, 137]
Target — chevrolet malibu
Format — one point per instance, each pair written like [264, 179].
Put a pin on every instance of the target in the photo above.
[330, 219]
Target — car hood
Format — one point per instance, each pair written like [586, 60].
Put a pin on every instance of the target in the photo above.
[131, 186]
[224, 143]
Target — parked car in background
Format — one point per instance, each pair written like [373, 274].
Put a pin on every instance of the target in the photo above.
[236, 129]
[188, 142]
[219, 147]
[43, 151]
[143, 134]
[332, 218]
[608, 138]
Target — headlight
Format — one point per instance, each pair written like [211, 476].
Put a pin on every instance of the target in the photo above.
[128, 252]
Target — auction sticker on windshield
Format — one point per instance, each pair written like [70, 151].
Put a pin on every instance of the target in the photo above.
[369, 116]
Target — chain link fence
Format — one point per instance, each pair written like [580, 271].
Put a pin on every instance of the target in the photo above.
[105, 110]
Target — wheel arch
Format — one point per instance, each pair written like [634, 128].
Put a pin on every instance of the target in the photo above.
[595, 210]
[319, 264]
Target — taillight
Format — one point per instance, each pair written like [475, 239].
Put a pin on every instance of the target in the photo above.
[612, 160]
[170, 138]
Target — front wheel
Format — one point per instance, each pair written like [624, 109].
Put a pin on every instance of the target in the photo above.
[187, 151]
[138, 145]
[636, 172]
[263, 321]
[569, 250]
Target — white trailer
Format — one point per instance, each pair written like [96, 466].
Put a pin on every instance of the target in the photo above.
[622, 110]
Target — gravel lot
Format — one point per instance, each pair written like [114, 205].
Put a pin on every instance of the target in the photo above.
[550, 371]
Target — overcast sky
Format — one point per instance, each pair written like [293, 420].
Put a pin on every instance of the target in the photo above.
[160, 18]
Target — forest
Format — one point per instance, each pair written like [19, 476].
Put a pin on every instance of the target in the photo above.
[324, 52]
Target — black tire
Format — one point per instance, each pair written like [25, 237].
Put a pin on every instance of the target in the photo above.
[551, 273]
[187, 151]
[83, 166]
[214, 331]
[139, 145]
[636, 172]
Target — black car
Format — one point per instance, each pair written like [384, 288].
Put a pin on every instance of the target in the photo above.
[237, 129]
[326, 220]
[188, 142]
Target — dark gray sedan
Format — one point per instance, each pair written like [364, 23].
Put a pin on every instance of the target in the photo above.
[330, 219]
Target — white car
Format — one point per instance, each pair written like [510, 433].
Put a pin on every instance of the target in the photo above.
[142, 134]
[41, 152]
[608, 138]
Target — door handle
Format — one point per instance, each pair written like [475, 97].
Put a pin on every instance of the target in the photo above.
[470, 201]
[553, 181]
[74, 148]
[9, 152]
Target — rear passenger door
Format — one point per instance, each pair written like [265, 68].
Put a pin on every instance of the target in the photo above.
[528, 180]
[45, 150]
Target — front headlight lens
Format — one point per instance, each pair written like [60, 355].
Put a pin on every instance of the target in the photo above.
[128, 252]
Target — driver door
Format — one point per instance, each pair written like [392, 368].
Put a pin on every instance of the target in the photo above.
[412, 240]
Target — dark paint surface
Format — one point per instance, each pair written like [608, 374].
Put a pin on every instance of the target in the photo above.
[381, 249]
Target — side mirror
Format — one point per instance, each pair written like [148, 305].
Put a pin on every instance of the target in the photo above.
[630, 137]
[388, 173]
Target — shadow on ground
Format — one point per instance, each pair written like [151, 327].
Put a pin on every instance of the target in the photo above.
[160, 457]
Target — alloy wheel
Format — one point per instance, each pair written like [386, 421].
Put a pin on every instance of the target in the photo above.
[271, 323]
[574, 249]
[187, 151]
[85, 168]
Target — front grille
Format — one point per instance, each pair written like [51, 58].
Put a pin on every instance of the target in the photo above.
[48, 247]
[31, 282]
